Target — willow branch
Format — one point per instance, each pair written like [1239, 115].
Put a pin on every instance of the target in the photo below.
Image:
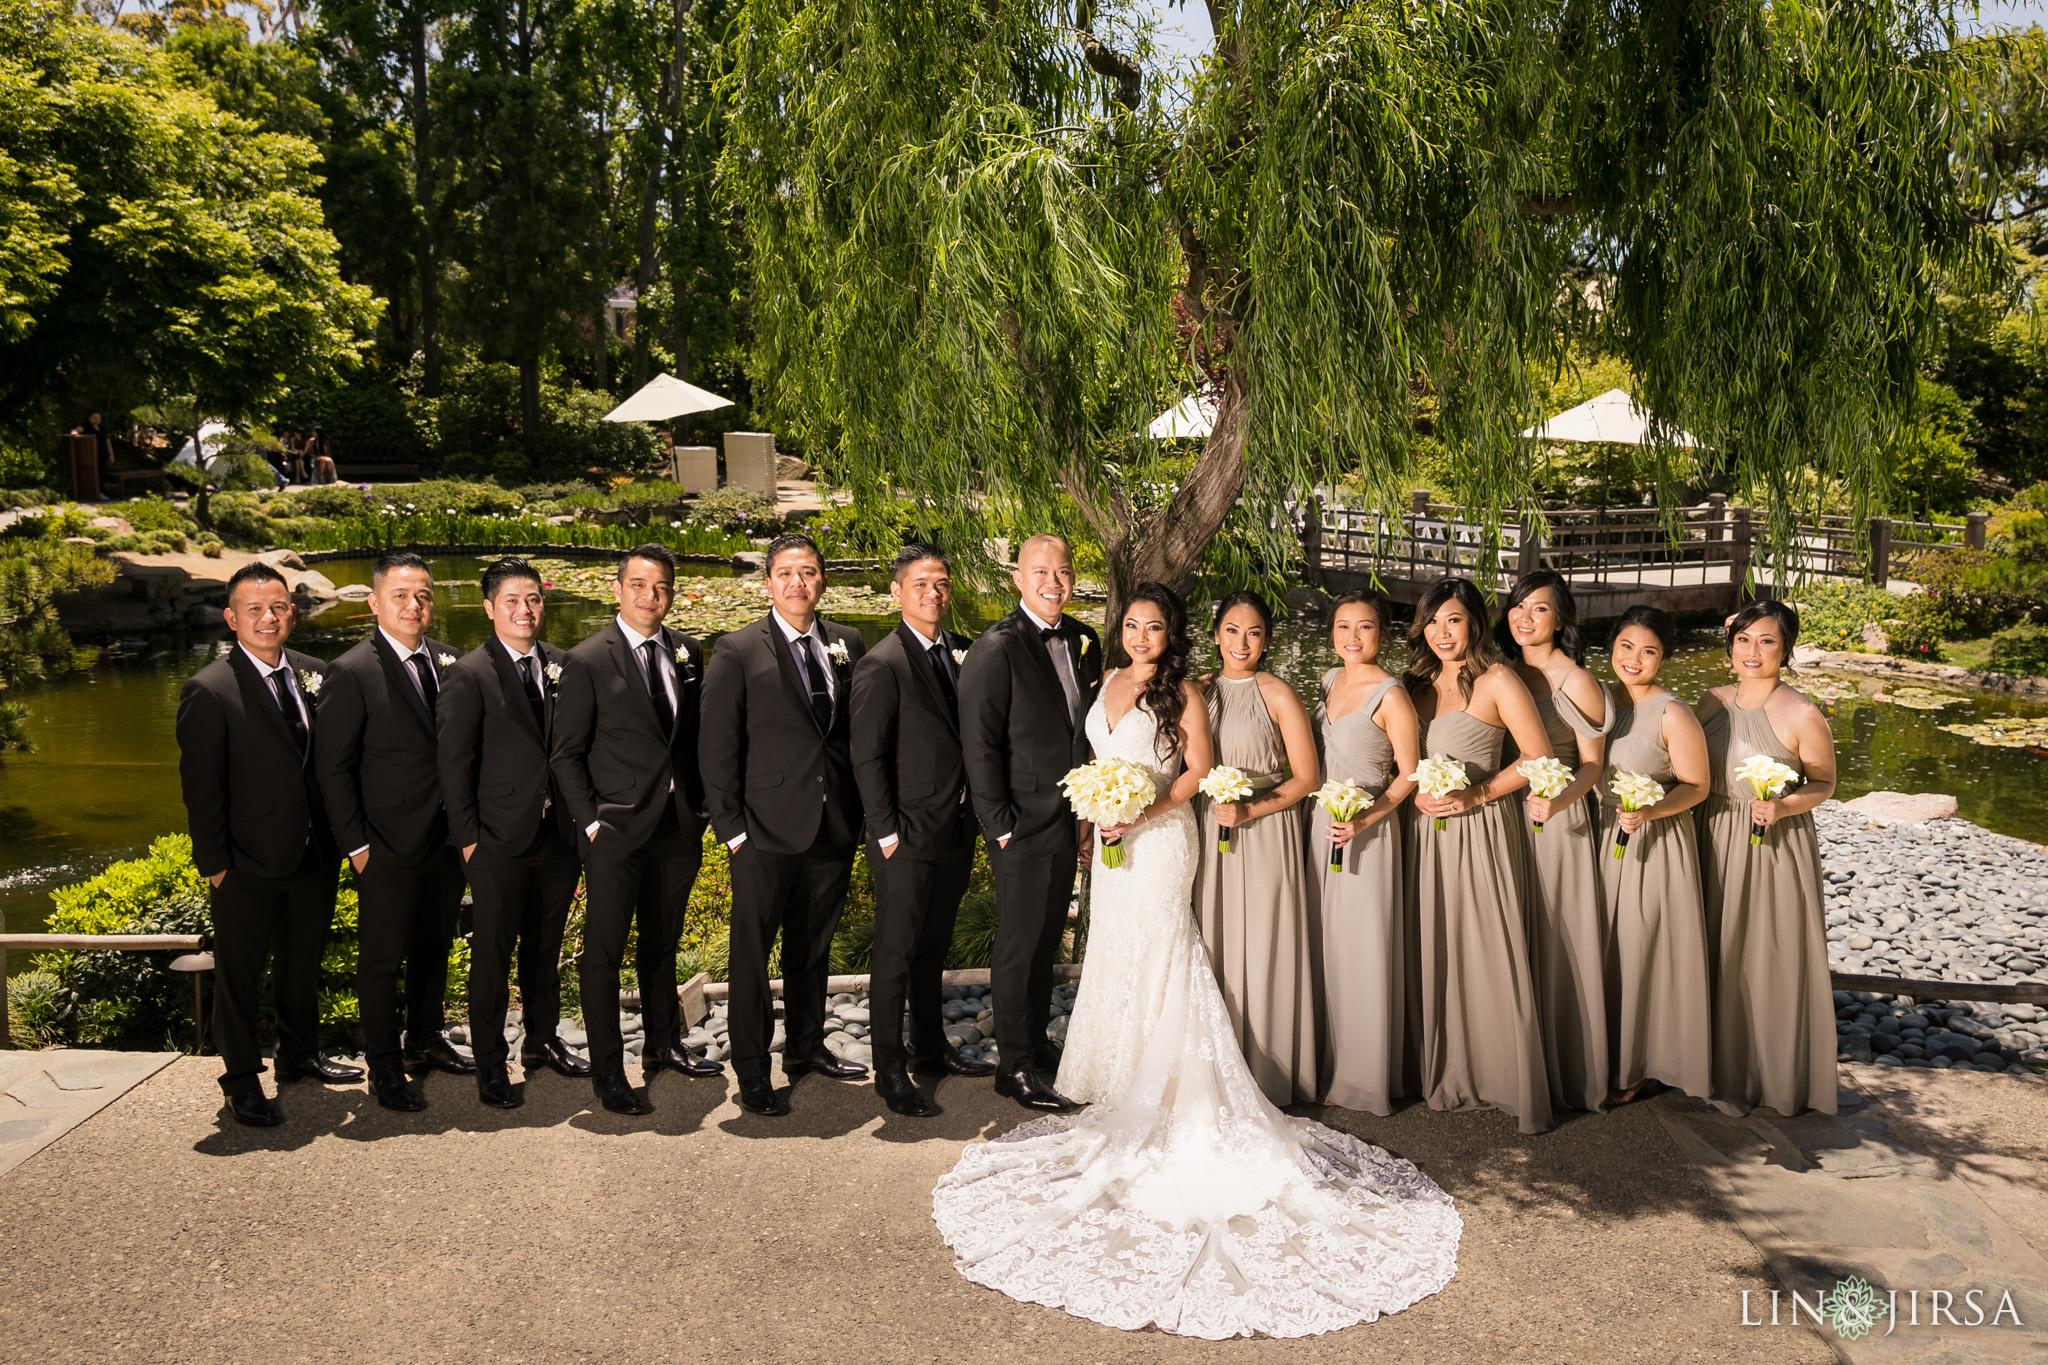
[1106, 61]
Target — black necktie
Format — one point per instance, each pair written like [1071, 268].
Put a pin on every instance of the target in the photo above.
[529, 669]
[424, 672]
[659, 694]
[290, 706]
[821, 694]
[943, 666]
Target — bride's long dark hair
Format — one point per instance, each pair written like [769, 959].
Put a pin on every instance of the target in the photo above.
[1162, 696]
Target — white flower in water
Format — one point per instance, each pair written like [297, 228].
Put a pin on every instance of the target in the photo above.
[959, 657]
[554, 672]
[445, 660]
[310, 682]
[837, 649]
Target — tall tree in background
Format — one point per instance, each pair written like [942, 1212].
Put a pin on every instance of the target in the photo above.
[990, 242]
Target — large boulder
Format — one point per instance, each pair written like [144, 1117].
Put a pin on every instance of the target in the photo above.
[314, 586]
[281, 560]
[1903, 808]
[118, 525]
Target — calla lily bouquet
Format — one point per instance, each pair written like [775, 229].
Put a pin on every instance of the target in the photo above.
[1109, 791]
[1439, 776]
[1768, 778]
[1547, 777]
[1634, 791]
[1224, 784]
[1344, 800]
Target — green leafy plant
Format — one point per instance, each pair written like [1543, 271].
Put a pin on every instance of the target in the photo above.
[2021, 650]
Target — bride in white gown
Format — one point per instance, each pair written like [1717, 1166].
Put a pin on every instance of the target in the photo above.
[1182, 1198]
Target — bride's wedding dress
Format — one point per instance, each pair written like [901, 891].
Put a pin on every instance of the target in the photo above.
[1182, 1198]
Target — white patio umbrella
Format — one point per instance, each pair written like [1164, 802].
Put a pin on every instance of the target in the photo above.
[1193, 416]
[1611, 417]
[663, 397]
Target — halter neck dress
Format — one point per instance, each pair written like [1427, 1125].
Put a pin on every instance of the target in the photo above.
[1658, 963]
[1371, 1025]
[1252, 904]
[1774, 1014]
[1568, 931]
[1482, 1038]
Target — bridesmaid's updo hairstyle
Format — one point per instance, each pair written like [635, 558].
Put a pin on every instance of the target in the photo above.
[1243, 599]
[1161, 696]
[1382, 611]
[1480, 655]
[1569, 637]
[1787, 619]
[1656, 620]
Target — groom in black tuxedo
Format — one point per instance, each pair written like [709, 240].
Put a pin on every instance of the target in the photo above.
[1025, 691]
[379, 767]
[920, 828]
[260, 836]
[625, 760]
[496, 711]
[778, 774]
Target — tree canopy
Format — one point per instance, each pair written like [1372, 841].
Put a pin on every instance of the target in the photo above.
[990, 242]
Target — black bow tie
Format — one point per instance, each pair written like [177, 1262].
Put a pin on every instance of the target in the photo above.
[1050, 633]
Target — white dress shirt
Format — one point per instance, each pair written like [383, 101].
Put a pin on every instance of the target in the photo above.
[931, 642]
[291, 682]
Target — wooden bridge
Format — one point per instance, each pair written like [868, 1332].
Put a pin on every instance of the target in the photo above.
[1613, 557]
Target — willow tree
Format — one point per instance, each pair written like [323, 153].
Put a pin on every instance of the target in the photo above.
[990, 239]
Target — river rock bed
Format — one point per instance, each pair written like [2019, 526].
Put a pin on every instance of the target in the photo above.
[1943, 900]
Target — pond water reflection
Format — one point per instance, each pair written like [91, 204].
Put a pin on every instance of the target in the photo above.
[104, 779]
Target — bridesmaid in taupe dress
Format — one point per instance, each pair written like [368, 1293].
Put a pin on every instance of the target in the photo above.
[1774, 1016]
[1252, 902]
[1482, 1038]
[1372, 1025]
[1658, 993]
[1568, 931]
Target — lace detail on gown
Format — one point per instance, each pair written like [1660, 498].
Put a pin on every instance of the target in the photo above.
[1183, 1199]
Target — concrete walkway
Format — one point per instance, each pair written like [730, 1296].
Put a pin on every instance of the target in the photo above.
[44, 1095]
[159, 1231]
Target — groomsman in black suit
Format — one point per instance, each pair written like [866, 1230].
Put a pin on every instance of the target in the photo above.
[496, 711]
[1025, 691]
[778, 773]
[379, 766]
[625, 761]
[920, 828]
[259, 835]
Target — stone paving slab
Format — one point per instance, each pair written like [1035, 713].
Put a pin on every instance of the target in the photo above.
[1863, 1193]
[44, 1095]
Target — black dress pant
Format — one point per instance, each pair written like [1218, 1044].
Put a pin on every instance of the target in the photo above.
[1034, 885]
[648, 885]
[522, 900]
[254, 917]
[916, 903]
[800, 896]
[405, 921]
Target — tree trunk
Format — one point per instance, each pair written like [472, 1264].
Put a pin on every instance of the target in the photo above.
[1166, 546]
[430, 284]
[529, 408]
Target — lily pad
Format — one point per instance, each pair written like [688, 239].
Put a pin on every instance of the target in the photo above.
[1921, 698]
[2005, 732]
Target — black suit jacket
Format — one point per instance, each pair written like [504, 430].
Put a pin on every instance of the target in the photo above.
[906, 745]
[251, 800]
[495, 774]
[770, 773]
[1014, 730]
[611, 763]
[377, 755]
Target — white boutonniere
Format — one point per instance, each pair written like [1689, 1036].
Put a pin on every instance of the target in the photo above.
[1084, 647]
[445, 660]
[682, 655]
[959, 657]
[837, 649]
[553, 672]
[310, 682]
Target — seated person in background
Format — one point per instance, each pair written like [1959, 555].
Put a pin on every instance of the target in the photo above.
[320, 459]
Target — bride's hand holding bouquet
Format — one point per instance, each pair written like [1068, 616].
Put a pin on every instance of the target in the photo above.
[1112, 794]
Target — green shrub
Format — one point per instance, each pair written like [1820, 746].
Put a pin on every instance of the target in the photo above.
[2021, 650]
[239, 521]
[146, 543]
[1832, 615]
[107, 997]
[332, 500]
[152, 513]
[445, 496]
[32, 1009]
[1917, 632]
[1977, 592]
[211, 545]
[12, 498]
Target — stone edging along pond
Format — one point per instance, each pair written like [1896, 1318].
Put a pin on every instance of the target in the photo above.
[1886, 666]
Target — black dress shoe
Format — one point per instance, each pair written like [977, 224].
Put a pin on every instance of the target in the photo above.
[255, 1109]
[1029, 1089]
[824, 1064]
[438, 1055]
[679, 1059]
[953, 1062]
[494, 1087]
[758, 1097]
[1046, 1059]
[318, 1068]
[900, 1094]
[554, 1054]
[393, 1091]
[618, 1096]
